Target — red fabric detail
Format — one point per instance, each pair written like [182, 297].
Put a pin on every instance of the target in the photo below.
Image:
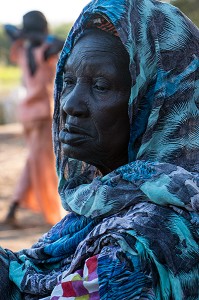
[91, 264]
[68, 290]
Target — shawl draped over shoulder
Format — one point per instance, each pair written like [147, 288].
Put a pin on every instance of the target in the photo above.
[134, 233]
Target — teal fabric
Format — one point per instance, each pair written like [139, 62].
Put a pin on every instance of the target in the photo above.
[142, 219]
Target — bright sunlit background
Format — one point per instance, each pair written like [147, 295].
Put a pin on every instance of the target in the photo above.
[59, 11]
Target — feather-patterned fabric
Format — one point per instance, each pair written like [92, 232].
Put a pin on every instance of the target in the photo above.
[134, 233]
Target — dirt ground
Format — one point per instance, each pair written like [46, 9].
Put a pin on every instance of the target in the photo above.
[12, 157]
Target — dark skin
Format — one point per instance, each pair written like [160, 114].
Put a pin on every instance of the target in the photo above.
[94, 102]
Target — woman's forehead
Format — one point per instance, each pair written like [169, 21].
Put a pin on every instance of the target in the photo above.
[92, 38]
[97, 51]
[92, 60]
[96, 42]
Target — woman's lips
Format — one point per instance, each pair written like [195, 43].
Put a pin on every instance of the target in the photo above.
[73, 135]
[74, 129]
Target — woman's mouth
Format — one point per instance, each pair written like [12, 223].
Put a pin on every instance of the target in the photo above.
[74, 129]
[72, 135]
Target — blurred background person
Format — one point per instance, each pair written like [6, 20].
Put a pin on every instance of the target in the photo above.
[36, 53]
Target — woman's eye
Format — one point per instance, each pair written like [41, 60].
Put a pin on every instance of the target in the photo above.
[101, 86]
[68, 82]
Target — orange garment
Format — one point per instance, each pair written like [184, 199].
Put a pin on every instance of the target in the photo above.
[37, 186]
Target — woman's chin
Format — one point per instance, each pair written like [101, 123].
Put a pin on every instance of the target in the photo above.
[75, 152]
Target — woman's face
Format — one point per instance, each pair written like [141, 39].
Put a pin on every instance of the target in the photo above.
[94, 102]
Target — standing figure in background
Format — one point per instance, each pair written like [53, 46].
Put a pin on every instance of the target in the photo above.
[36, 53]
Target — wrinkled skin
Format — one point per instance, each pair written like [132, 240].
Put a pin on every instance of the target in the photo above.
[94, 102]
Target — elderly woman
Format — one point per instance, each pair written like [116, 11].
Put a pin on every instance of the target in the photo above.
[126, 138]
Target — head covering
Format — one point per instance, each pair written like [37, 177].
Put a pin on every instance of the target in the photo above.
[133, 233]
[35, 31]
[163, 46]
[34, 21]
[34, 27]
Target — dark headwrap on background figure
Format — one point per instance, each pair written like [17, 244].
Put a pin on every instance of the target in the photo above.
[34, 31]
[139, 223]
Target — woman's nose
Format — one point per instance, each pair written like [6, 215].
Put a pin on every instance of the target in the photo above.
[75, 103]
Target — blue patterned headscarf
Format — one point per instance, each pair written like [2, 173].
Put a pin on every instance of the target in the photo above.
[163, 46]
[140, 223]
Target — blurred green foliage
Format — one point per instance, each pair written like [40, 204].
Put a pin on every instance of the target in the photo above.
[9, 76]
[61, 30]
[4, 46]
[189, 8]
[8, 73]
